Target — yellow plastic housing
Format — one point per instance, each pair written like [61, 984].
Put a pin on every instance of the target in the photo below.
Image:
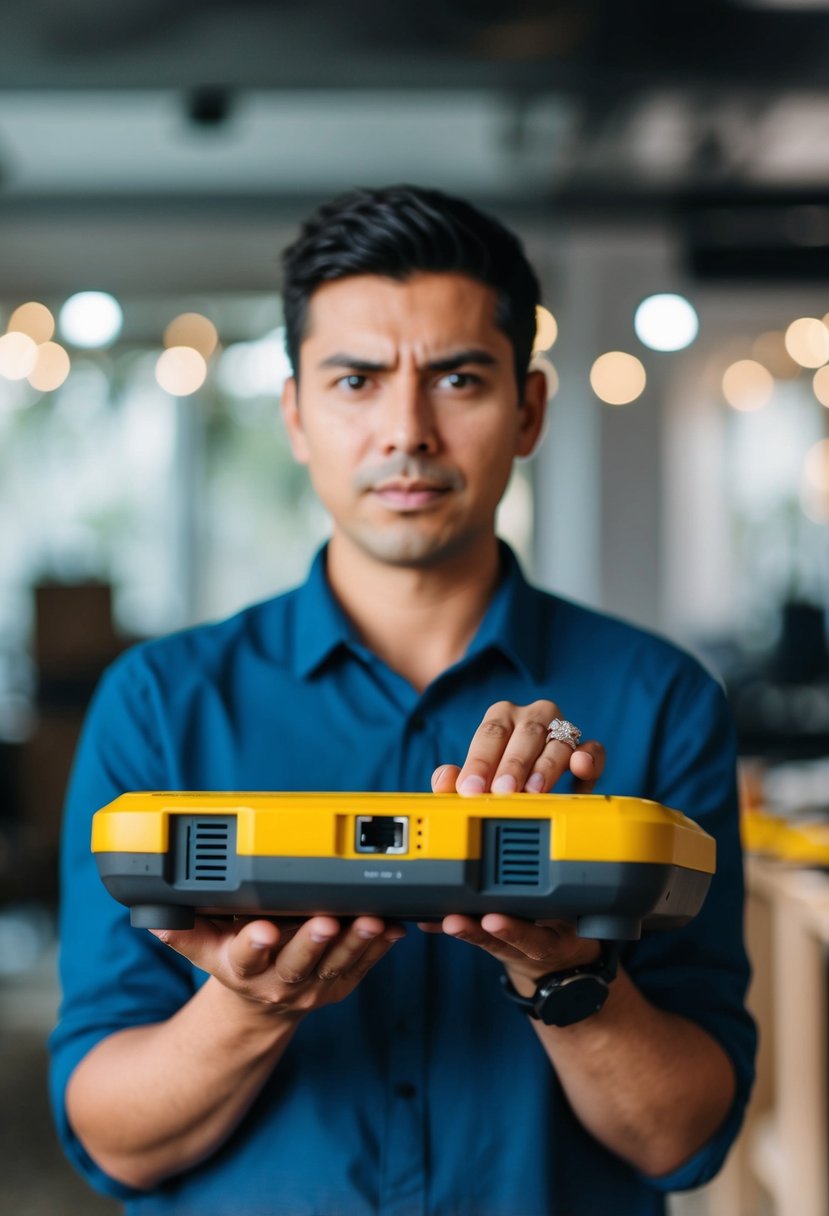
[584, 827]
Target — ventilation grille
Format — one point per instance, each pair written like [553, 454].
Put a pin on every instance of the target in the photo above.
[206, 851]
[516, 853]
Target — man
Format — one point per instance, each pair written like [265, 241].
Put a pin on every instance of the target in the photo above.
[341, 1069]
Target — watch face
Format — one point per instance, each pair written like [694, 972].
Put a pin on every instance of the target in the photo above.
[572, 1001]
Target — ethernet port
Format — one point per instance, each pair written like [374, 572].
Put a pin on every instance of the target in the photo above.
[382, 834]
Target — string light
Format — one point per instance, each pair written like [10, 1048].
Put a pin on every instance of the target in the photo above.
[51, 369]
[666, 322]
[18, 355]
[617, 378]
[194, 330]
[807, 341]
[33, 319]
[181, 371]
[546, 329]
[747, 385]
[91, 319]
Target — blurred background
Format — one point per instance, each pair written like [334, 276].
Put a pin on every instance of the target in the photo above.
[668, 169]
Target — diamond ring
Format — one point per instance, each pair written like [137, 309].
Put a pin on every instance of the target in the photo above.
[563, 731]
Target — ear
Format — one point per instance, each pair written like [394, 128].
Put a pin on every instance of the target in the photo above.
[293, 422]
[531, 412]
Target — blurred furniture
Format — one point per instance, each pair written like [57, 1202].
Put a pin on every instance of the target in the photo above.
[780, 1163]
[74, 640]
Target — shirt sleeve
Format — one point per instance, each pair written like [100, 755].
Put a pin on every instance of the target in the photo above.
[112, 976]
[701, 971]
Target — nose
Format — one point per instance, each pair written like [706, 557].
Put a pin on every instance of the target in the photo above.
[409, 423]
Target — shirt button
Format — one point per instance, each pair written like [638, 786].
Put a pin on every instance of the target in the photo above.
[405, 1089]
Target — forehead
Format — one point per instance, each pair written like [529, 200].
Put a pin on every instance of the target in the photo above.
[426, 312]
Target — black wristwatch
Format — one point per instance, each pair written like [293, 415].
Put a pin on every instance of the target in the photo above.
[564, 997]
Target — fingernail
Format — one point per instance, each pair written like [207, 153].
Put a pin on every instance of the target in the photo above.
[323, 937]
[535, 783]
[395, 937]
[472, 785]
[367, 934]
[505, 784]
[257, 945]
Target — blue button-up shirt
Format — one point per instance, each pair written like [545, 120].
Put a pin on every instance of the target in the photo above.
[424, 1093]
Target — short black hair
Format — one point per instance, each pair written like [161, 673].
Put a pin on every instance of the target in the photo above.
[398, 231]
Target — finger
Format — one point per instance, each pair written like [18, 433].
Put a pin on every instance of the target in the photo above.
[300, 956]
[444, 778]
[554, 945]
[587, 765]
[490, 742]
[251, 951]
[468, 929]
[527, 744]
[201, 945]
[345, 951]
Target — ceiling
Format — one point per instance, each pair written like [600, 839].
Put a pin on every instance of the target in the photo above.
[123, 117]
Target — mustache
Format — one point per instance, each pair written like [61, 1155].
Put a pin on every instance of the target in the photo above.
[408, 467]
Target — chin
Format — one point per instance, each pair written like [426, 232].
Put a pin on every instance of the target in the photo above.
[411, 550]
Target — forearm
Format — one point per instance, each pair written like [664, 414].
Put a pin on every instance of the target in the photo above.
[152, 1101]
[650, 1085]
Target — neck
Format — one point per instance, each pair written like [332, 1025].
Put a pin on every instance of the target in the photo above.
[418, 620]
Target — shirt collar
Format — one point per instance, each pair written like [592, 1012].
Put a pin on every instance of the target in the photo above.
[510, 624]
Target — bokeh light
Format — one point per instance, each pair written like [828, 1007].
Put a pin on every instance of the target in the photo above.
[747, 385]
[820, 385]
[807, 341]
[18, 355]
[91, 319]
[194, 330]
[666, 322]
[181, 371]
[33, 319]
[617, 378]
[51, 369]
[769, 348]
[546, 329]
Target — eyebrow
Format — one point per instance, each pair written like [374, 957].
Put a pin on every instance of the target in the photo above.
[448, 363]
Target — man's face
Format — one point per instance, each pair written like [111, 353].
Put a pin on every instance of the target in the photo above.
[407, 413]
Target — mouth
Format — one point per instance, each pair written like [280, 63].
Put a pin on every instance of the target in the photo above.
[409, 495]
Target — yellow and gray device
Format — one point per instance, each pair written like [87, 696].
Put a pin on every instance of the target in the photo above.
[613, 865]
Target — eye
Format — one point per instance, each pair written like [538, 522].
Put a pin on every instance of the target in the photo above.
[353, 383]
[459, 381]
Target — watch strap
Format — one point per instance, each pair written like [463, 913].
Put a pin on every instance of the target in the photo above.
[570, 995]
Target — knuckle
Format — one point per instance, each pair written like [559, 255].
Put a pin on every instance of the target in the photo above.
[495, 728]
[327, 974]
[534, 727]
[513, 764]
[290, 976]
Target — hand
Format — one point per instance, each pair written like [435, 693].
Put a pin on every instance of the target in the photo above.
[509, 753]
[286, 967]
[528, 950]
